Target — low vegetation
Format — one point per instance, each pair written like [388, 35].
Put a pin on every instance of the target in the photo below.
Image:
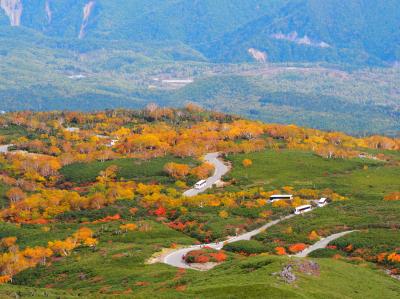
[86, 203]
[130, 169]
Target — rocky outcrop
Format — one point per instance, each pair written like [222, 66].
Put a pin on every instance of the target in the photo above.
[258, 55]
[13, 9]
[49, 13]
[295, 38]
[87, 12]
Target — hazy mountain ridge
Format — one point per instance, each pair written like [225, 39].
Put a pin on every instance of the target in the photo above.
[286, 30]
[333, 31]
[106, 54]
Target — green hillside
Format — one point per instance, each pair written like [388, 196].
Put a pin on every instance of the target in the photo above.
[311, 30]
[351, 32]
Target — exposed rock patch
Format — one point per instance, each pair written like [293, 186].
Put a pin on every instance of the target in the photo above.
[309, 268]
[49, 13]
[295, 38]
[306, 267]
[87, 12]
[13, 10]
[287, 274]
[258, 55]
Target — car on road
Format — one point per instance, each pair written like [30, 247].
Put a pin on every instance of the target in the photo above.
[200, 184]
[303, 209]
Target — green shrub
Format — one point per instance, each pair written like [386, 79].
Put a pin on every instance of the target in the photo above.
[248, 247]
[325, 253]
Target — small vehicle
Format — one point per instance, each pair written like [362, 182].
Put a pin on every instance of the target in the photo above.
[303, 209]
[201, 184]
[322, 202]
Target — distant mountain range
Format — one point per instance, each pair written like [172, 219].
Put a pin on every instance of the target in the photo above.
[329, 64]
[365, 32]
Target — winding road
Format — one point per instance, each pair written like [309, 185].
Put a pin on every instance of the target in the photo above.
[176, 257]
[220, 170]
[322, 243]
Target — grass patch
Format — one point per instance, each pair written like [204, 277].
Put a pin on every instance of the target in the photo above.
[132, 169]
[336, 217]
[3, 199]
[247, 247]
[118, 263]
[374, 240]
[35, 235]
[12, 291]
[350, 177]
[253, 278]
[13, 132]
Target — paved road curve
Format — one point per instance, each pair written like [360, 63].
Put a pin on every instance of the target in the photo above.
[175, 258]
[220, 170]
[322, 243]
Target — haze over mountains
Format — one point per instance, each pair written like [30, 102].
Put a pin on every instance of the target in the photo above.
[94, 54]
[286, 30]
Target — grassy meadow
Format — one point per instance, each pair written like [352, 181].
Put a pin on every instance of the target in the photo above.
[117, 266]
[365, 182]
[356, 178]
[132, 169]
[3, 200]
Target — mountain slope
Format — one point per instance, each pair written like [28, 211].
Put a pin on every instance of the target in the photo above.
[286, 30]
[311, 30]
[140, 20]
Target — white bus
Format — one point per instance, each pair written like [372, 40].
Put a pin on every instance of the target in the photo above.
[303, 209]
[200, 184]
[278, 197]
[322, 202]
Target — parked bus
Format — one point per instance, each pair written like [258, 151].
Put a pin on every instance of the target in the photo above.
[303, 209]
[278, 197]
[322, 202]
[200, 184]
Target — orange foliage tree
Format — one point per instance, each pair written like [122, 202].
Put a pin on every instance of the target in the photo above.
[394, 196]
[176, 170]
[298, 247]
[247, 163]
[280, 251]
[203, 171]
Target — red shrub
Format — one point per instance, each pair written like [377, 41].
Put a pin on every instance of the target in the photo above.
[205, 255]
[202, 259]
[161, 211]
[295, 248]
[108, 219]
[280, 250]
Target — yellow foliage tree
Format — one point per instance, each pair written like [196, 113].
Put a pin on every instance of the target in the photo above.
[128, 227]
[313, 236]
[224, 214]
